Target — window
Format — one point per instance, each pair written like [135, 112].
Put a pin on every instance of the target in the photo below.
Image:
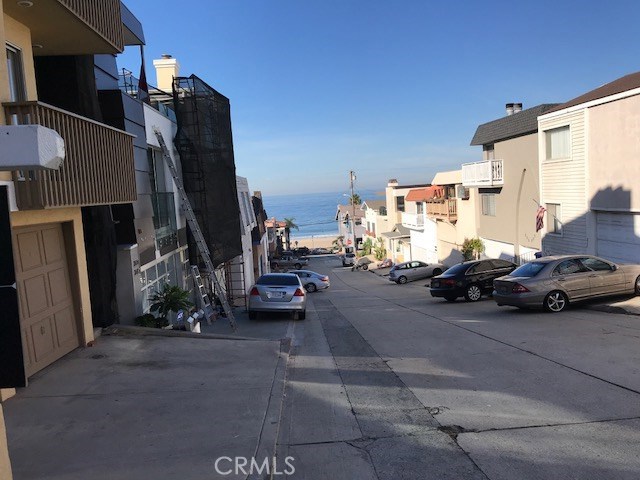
[558, 143]
[502, 264]
[17, 89]
[383, 211]
[419, 208]
[400, 204]
[554, 225]
[569, 267]
[481, 267]
[157, 175]
[596, 265]
[489, 205]
[489, 152]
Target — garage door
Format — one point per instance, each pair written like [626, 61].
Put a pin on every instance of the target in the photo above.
[47, 317]
[618, 236]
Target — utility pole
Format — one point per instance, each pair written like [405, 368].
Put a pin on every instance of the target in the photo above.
[352, 177]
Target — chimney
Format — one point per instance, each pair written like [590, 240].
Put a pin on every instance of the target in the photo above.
[167, 68]
[509, 107]
[517, 107]
[392, 182]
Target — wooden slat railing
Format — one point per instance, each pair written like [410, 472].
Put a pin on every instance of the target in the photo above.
[98, 168]
[445, 208]
[102, 16]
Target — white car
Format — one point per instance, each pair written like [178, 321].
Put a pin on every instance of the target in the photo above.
[312, 281]
[278, 292]
[348, 259]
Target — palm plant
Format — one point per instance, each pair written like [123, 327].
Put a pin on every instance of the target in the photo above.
[289, 224]
[170, 299]
[355, 199]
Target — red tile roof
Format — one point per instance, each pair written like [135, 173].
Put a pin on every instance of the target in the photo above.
[424, 194]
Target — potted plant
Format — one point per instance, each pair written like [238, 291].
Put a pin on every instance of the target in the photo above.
[170, 299]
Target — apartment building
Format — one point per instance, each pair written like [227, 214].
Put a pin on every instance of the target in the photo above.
[507, 183]
[375, 219]
[589, 169]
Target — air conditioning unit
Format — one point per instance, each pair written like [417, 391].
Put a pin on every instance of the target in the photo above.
[462, 192]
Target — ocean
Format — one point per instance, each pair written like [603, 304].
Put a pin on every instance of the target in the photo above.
[314, 213]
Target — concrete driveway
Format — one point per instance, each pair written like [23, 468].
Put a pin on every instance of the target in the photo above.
[146, 408]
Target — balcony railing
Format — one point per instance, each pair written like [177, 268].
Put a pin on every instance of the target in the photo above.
[72, 27]
[446, 209]
[487, 173]
[98, 168]
[413, 220]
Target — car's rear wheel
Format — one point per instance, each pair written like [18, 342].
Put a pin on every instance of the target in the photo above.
[310, 287]
[437, 272]
[365, 267]
[473, 293]
[402, 280]
[555, 301]
[450, 298]
[298, 266]
[638, 286]
[253, 315]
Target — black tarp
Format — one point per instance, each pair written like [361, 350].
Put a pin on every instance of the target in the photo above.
[205, 144]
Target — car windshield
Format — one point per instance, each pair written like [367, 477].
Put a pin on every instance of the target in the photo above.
[528, 269]
[278, 280]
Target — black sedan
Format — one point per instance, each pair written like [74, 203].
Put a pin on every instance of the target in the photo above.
[470, 279]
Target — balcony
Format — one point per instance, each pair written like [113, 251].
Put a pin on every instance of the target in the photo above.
[446, 209]
[98, 167]
[71, 27]
[487, 173]
[414, 221]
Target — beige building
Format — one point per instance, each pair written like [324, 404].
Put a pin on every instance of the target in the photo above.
[45, 220]
[589, 170]
[375, 219]
[506, 181]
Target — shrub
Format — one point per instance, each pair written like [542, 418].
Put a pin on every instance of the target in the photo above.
[472, 248]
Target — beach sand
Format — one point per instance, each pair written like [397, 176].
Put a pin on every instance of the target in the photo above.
[312, 242]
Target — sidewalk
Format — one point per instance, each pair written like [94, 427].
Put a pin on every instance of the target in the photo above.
[148, 407]
[625, 305]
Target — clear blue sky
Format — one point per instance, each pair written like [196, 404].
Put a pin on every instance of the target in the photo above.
[388, 89]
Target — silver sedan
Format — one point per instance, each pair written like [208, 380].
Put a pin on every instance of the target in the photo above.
[414, 270]
[278, 292]
[312, 281]
[554, 282]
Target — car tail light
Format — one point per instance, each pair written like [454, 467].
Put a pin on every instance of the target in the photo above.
[299, 293]
[324, 279]
[254, 292]
[448, 282]
[517, 288]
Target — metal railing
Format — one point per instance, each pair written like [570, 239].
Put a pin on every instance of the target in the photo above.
[487, 173]
[98, 168]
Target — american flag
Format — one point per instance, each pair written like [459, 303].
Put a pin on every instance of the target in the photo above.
[540, 218]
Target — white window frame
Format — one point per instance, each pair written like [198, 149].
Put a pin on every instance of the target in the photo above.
[482, 209]
[552, 220]
[547, 144]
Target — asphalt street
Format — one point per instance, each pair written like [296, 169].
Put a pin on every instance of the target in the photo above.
[386, 382]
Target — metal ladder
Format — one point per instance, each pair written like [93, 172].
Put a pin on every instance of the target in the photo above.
[192, 221]
[202, 293]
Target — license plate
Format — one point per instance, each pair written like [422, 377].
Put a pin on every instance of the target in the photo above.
[275, 294]
[502, 289]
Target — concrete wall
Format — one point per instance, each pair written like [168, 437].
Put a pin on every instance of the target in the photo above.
[515, 220]
[424, 243]
[614, 163]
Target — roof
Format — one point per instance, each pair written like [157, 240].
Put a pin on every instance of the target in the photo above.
[451, 177]
[628, 82]
[348, 210]
[398, 232]
[511, 126]
[278, 223]
[374, 204]
[424, 194]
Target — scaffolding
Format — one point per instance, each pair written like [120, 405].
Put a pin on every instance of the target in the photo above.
[205, 145]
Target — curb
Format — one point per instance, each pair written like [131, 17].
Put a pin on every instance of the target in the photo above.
[611, 309]
[268, 441]
[158, 332]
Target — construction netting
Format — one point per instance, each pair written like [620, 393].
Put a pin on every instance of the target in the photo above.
[205, 145]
